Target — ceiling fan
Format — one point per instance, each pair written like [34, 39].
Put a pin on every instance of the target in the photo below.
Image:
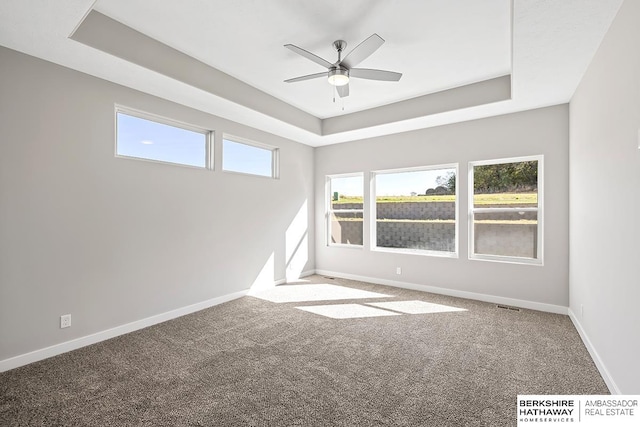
[339, 72]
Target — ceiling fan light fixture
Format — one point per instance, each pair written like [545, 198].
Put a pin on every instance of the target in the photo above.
[340, 72]
[338, 77]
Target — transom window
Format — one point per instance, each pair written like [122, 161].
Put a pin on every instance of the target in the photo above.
[506, 210]
[248, 157]
[145, 136]
[416, 210]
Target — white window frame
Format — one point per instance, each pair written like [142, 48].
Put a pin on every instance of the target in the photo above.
[329, 209]
[540, 213]
[374, 213]
[208, 133]
[275, 155]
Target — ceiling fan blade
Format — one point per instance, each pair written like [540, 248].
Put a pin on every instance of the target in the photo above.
[309, 55]
[362, 51]
[343, 91]
[307, 77]
[365, 73]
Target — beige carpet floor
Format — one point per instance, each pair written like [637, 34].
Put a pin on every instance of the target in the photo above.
[279, 359]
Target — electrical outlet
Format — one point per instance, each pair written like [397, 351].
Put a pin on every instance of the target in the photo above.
[65, 321]
[398, 270]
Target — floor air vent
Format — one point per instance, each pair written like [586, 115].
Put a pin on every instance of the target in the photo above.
[506, 307]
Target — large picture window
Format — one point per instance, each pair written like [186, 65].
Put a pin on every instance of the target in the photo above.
[416, 210]
[345, 209]
[145, 136]
[506, 210]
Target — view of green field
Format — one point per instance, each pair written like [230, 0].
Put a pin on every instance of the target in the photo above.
[479, 199]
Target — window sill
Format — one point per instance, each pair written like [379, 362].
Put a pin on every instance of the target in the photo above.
[344, 245]
[507, 260]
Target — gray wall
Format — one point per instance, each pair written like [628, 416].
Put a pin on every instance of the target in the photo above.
[605, 169]
[114, 240]
[544, 131]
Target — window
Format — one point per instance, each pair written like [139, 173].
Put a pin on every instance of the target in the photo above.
[144, 136]
[243, 156]
[506, 210]
[345, 209]
[416, 210]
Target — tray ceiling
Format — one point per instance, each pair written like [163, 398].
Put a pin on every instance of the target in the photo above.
[460, 59]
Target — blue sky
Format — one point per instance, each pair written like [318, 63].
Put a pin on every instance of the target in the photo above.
[157, 141]
[246, 158]
[152, 140]
[391, 184]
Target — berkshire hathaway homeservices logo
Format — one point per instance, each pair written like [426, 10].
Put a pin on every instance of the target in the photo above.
[582, 410]
[546, 410]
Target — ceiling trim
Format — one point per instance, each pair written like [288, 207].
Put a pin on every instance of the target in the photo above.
[111, 36]
[472, 95]
[108, 35]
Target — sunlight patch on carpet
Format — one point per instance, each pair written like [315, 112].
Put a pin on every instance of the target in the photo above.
[308, 293]
[415, 307]
[347, 311]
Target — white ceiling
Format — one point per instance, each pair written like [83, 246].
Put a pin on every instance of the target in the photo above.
[546, 45]
[430, 41]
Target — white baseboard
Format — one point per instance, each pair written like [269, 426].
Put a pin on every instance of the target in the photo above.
[54, 350]
[532, 305]
[604, 372]
[613, 388]
[306, 273]
[300, 275]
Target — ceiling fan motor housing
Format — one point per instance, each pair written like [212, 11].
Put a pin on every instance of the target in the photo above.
[338, 76]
